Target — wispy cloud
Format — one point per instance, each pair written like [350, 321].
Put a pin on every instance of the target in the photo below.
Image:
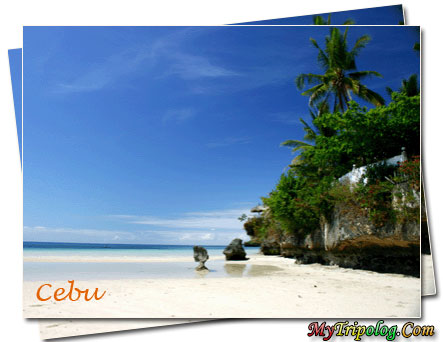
[197, 236]
[192, 236]
[210, 220]
[229, 141]
[206, 227]
[172, 55]
[163, 235]
[147, 58]
[178, 115]
[287, 118]
[191, 67]
[42, 233]
[106, 73]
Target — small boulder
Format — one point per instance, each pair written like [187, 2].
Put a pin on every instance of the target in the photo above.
[201, 256]
[235, 250]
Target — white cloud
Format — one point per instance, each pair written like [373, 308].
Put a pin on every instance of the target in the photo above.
[178, 116]
[216, 227]
[41, 233]
[147, 58]
[170, 55]
[211, 220]
[229, 142]
[141, 236]
[197, 237]
[102, 75]
[190, 67]
[287, 118]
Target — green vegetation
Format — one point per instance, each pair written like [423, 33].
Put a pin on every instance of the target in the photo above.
[337, 141]
[309, 190]
[409, 87]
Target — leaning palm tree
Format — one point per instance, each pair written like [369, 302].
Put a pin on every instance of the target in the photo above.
[341, 77]
[311, 132]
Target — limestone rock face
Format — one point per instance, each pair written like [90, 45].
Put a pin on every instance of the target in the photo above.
[387, 255]
[348, 225]
[235, 250]
[270, 246]
[288, 246]
[201, 256]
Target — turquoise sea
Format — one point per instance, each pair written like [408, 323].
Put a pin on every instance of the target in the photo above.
[77, 269]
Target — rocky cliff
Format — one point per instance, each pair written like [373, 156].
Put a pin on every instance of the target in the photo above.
[348, 238]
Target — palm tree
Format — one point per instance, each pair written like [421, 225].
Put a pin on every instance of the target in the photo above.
[340, 77]
[408, 87]
[318, 20]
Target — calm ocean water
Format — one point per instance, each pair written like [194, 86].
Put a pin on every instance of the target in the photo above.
[42, 249]
[42, 270]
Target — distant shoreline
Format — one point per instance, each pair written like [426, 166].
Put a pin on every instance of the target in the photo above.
[86, 245]
[115, 259]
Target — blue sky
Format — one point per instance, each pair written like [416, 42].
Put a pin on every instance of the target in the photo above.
[384, 15]
[168, 134]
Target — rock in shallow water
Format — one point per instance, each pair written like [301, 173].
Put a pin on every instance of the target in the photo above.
[235, 250]
[201, 256]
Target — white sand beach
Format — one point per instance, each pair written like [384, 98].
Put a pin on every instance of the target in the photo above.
[57, 328]
[275, 288]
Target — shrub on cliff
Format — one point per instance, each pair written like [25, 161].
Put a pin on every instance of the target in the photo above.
[298, 202]
[410, 169]
[253, 226]
[386, 194]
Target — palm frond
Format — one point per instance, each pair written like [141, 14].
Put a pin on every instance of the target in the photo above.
[370, 96]
[310, 132]
[359, 75]
[296, 144]
[322, 58]
[307, 78]
[359, 44]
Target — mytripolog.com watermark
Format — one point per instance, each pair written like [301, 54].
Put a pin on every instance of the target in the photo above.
[408, 329]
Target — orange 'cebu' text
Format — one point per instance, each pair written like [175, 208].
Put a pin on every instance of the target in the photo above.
[46, 292]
